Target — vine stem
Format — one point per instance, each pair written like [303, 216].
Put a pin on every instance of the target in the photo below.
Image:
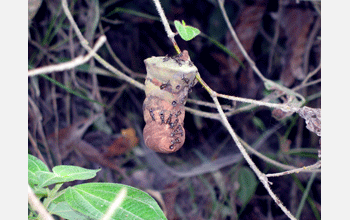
[262, 177]
[170, 33]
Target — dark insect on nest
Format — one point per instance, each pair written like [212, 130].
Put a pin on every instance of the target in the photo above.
[164, 110]
[166, 58]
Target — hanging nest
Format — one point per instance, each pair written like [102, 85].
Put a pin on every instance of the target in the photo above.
[168, 81]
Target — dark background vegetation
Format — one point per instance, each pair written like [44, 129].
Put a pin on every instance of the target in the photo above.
[135, 37]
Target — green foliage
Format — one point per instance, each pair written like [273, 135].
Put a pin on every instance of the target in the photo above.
[89, 200]
[35, 165]
[63, 173]
[93, 199]
[186, 32]
[247, 185]
[259, 123]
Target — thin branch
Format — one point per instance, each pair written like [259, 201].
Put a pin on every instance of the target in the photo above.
[207, 104]
[268, 83]
[69, 64]
[41, 129]
[84, 43]
[262, 177]
[285, 107]
[316, 28]
[311, 74]
[312, 168]
[170, 33]
[35, 146]
[276, 35]
[37, 205]
[81, 38]
[307, 84]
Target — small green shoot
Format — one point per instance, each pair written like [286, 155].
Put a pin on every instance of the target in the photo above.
[186, 32]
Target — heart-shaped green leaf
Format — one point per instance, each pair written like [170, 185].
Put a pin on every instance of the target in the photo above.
[186, 32]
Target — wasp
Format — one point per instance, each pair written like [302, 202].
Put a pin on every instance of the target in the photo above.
[166, 58]
[174, 103]
[177, 113]
[161, 115]
[186, 80]
[164, 85]
[172, 125]
[176, 140]
[168, 121]
[152, 114]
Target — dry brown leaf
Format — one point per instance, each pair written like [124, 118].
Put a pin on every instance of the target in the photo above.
[296, 23]
[122, 144]
[246, 29]
[130, 134]
[312, 118]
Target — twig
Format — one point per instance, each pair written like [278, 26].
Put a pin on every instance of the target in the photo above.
[170, 33]
[276, 35]
[312, 168]
[207, 104]
[203, 114]
[268, 83]
[37, 205]
[41, 129]
[262, 177]
[84, 43]
[307, 84]
[35, 146]
[57, 154]
[310, 42]
[311, 73]
[69, 64]
[285, 107]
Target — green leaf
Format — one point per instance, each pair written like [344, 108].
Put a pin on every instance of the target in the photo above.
[259, 123]
[186, 32]
[63, 210]
[34, 165]
[48, 178]
[64, 173]
[248, 183]
[93, 200]
[71, 173]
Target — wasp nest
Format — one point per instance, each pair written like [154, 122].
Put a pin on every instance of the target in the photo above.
[168, 82]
